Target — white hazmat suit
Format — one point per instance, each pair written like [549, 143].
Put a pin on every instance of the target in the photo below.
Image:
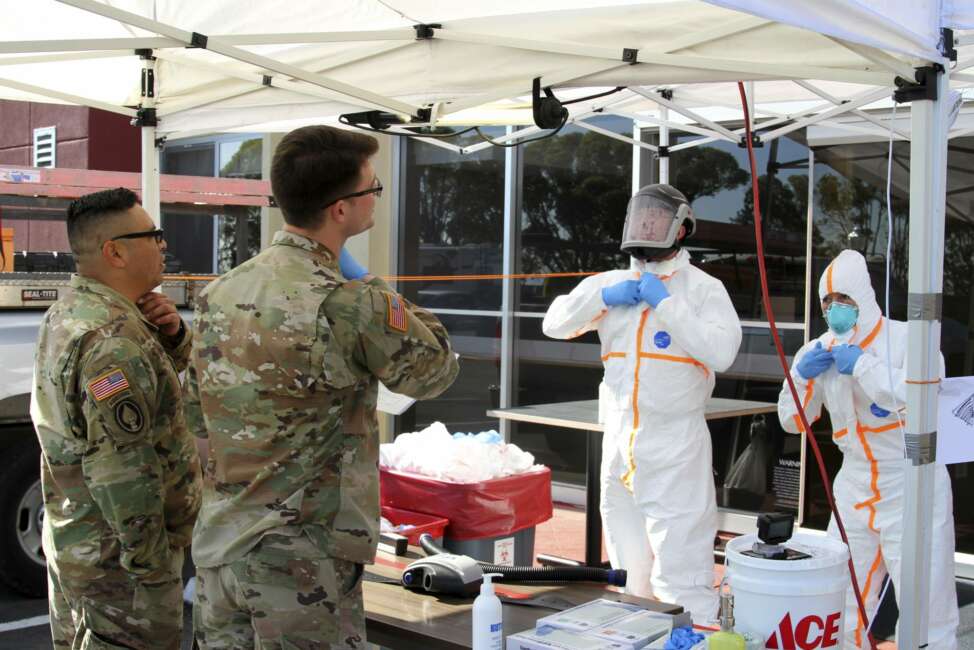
[658, 503]
[868, 489]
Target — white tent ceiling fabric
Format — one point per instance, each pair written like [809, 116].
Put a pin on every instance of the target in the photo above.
[486, 52]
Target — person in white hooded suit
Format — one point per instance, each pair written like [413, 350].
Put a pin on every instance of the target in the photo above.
[846, 371]
[665, 328]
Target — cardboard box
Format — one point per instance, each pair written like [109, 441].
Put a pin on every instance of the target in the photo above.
[7, 244]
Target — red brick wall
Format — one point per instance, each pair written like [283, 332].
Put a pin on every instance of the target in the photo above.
[86, 139]
[113, 143]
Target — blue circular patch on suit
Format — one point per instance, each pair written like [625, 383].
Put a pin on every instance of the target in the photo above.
[878, 411]
[662, 340]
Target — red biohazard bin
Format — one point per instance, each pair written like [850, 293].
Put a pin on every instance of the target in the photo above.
[420, 522]
[492, 521]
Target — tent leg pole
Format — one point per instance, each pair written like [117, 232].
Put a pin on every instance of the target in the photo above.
[664, 141]
[928, 161]
[150, 174]
[150, 153]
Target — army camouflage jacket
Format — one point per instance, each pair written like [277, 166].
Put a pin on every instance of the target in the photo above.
[283, 380]
[119, 471]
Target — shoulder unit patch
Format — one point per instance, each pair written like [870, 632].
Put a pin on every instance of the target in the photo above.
[128, 415]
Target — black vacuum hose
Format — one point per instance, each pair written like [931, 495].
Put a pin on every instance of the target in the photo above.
[615, 577]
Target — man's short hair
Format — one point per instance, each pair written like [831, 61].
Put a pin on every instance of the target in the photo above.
[315, 165]
[88, 215]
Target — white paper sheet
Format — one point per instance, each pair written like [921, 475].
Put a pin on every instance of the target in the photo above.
[392, 403]
[955, 428]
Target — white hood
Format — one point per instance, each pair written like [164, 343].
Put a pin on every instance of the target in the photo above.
[848, 274]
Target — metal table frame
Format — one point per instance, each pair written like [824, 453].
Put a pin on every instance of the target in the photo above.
[583, 415]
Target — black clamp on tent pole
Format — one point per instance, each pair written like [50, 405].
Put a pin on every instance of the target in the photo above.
[947, 46]
[923, 87]
[666, 93]
[663, 151]
[425, 32]
[755, 141]
[198, 40]
[630, 55]
[145, 117]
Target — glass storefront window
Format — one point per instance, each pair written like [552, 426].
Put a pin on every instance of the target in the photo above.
[199, 239]
[716, 179]
[463, 407]
[452, 224]
[756, 464]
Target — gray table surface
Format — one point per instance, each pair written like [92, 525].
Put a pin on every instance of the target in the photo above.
[584, 414]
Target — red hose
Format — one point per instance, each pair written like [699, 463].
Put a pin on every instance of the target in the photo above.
[759, 240]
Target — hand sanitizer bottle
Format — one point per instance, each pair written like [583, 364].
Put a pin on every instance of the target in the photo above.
[488, 628]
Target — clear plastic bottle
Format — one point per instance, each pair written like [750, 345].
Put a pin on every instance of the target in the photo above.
[488, 625]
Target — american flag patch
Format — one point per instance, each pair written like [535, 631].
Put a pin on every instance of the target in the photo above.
[106, 385]
[397, 313]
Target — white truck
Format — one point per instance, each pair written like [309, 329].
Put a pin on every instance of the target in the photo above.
[24, 297]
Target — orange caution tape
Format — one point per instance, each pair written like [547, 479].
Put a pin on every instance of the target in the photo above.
[430, 278]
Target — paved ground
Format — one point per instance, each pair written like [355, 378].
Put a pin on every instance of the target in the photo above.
[23, 622]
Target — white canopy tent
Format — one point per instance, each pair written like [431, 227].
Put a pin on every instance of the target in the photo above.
[272, 65]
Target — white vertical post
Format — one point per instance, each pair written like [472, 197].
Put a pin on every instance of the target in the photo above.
[749, 93]
[150, 153]
[637, 157]
[928, 163]
[508, 286]
[664, 141]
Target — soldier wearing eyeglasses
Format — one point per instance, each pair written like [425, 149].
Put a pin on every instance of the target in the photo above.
[288, 351]
[120, 473]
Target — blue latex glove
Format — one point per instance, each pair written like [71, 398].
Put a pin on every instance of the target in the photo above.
[622, 293]
[652, 290]
[683, 638]
[815, 362]
[349, 267]
[846, 357]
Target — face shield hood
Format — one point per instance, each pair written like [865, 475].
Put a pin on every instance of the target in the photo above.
[653, 219]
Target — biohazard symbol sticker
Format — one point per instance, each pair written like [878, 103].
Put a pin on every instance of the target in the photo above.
[129, 416]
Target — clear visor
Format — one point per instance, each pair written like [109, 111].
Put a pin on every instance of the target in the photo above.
[651, 223]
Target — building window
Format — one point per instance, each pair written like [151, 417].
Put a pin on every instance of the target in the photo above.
[210, 239]
[452, 224]
[45, 146]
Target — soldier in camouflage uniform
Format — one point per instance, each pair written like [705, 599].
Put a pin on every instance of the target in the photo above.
[120, 473]
[288, 351]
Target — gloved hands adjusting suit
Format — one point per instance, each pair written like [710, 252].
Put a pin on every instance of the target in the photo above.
[628, 293]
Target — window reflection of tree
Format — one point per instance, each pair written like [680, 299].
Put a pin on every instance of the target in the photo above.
[576, 188]
[239, 227]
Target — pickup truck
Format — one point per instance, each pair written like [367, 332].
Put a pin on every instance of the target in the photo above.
[24, 297]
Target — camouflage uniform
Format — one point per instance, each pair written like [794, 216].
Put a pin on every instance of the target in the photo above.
[283, 381]
[120, 473]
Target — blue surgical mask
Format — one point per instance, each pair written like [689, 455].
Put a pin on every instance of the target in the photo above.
[841, 317]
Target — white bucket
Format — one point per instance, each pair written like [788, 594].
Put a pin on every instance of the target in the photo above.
[793, 604]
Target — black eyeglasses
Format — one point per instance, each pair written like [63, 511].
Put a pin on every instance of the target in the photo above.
[375, 189]
[157, 234]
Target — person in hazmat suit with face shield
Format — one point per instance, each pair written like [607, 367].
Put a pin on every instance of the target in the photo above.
[665, 328]
[847, 371]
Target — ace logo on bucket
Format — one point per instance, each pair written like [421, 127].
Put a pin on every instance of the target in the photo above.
[808, 633]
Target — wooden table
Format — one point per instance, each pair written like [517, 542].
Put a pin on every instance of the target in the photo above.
[584, 415]
[408, 620]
